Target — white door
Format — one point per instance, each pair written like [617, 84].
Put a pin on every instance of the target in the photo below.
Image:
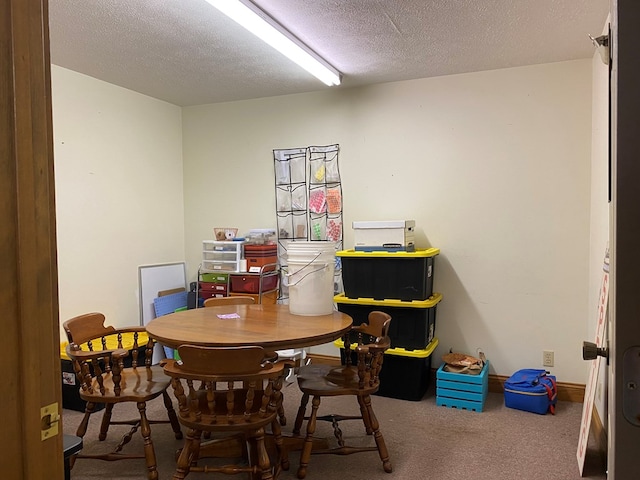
[624, 294]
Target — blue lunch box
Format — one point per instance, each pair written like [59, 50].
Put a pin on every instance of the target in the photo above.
[531, 390]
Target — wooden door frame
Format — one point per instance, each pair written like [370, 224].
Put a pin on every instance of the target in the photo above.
[28, 268]
[624, 436]
[28, 265]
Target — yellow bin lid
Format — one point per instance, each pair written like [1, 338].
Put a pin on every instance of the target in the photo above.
[112, 343]
[401, 351]
[390, 302]
[419, 253]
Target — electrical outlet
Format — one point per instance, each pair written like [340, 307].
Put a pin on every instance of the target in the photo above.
[547, 358]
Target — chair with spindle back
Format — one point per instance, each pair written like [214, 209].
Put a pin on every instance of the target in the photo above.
[110, 374]
[297, 356]
[227, 391]
[246, 300]
[364, 347]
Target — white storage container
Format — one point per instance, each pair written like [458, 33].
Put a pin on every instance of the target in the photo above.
[222, 256]
[386, 234]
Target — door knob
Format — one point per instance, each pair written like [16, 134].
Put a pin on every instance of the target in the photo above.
[590, 351]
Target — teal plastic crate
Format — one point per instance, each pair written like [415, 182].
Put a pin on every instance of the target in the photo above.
[460, 390]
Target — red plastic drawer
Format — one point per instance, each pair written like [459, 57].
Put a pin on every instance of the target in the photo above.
[210, 294]
[251, 283]
[214, 287]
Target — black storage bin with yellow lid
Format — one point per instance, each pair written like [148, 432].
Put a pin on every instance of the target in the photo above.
[384, 275]
[405, 374]
[413, 323]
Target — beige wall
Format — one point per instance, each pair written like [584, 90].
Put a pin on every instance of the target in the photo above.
[493, 166]
[119, 194]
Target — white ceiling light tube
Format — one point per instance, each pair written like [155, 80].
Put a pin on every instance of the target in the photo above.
[268, 30]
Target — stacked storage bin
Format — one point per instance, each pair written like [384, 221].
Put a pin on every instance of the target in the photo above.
[399, 283]
[223, 271]
[261, 257]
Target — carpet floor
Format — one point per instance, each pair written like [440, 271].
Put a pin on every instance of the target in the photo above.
[424, 441]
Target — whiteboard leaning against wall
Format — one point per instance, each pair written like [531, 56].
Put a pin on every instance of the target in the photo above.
[155, 278]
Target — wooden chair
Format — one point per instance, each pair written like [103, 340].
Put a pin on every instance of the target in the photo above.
[239, 393]
[233, 300]
[359, 376]
[293, 355]
[104, 378]
[273, 356]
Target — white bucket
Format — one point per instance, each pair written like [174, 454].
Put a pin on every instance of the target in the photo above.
[310, 277]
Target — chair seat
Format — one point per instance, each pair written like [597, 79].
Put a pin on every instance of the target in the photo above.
[329, 380]
[137, 385]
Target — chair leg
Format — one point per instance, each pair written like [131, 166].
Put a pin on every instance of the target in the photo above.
[149, 452]
[305, 456]
[88, 411]
[106, 421]
[365, 416]
[301, 411]
[281, 415]
[264, 464]
[82, 428]
[382, 446]
[173, 418]
[282, 459]
[278, 402]
[195, 447]
[185, 459]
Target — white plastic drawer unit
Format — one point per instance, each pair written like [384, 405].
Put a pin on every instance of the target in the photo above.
[211, 266]
[221, 255]
[223, 246]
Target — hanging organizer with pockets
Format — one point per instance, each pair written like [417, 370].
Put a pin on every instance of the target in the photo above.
[308, 199]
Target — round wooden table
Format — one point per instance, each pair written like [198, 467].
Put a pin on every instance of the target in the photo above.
[269, 326]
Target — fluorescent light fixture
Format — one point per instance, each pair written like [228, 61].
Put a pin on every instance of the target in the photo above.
[268, 30]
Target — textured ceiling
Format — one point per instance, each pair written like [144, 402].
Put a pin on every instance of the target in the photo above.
[187, 53]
